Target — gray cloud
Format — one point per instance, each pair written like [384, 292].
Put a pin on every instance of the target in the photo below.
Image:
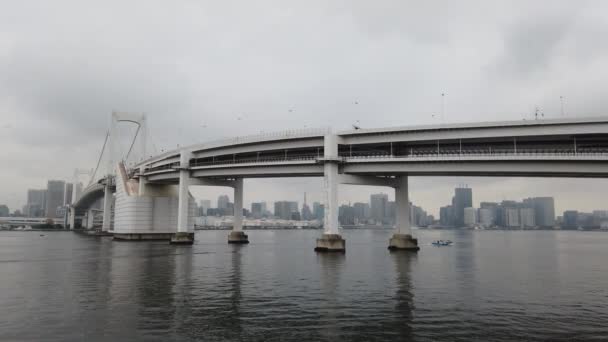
[196, 67]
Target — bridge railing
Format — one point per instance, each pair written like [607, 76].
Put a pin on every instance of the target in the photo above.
[380, 155]
[510, 155]
[287, 134]
[261, 159]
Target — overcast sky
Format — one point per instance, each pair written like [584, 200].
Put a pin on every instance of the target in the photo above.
[204, 70]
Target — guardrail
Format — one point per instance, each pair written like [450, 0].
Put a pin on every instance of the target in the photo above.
[413, 157]
[293, 133]
[502, 155]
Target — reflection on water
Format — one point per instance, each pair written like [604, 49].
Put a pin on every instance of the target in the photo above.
[329, 304]
[499, 286]
[404, 297]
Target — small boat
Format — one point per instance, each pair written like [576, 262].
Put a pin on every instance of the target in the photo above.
[441, 243]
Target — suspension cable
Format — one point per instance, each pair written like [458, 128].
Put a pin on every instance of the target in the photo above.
[133, 142]
[100, 155]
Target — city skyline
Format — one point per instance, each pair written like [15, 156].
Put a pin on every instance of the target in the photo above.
[486, 190]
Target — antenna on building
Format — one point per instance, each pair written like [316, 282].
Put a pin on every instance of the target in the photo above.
[442, 107]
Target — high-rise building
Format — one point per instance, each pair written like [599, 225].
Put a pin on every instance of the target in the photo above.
[346, 215]
[511, 217]
[361, 211]
[584, 220]
[378, 207]
[390, 216]
[419, 217]
[55, 191]
[256, 210]
[204, 207]
[527, 217]
[224, 206]
[470, 216]
[446, 215]
[67, 194]
[486, 217]
[4, 211]
[265, 212]
[463, 198]
[36, 203]
[570, 219]
[306, 212]
[222, 202]
[600, 218]
[318, 211]
[501, 213]
[285, 209]
[544, 210]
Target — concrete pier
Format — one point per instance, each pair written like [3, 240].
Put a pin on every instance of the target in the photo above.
[402, 239]
[182, 238]
[238, 237]
[403, 242]
[331, 243]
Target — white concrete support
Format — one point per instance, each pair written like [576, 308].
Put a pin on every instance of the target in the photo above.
[331, 198]
[107, 209]
[72, 217]
[183, 236]
[331, 241]
[90, 219]
[402, 238]
[238, 205]
[142, 181]
[330, 182]
[183, 196]
[237, 235]
[402, 206]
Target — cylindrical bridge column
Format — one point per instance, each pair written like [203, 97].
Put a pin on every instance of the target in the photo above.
[402, 239]
[402, 204]
[107, 208]
[90, 219]
[331, 241]
[72, 217]
[237, 235]
[183, 236]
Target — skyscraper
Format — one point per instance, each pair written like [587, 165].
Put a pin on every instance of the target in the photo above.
[67, 194]
[570, 219]
[222, 202]
[527, 217]
[463, 198]
[306, 212]
[446, 216]
[361, 211]
[55, 191]
[284, 209]
[204, 206]
[256, 210]
[544, 210]
[36, 203]
[346, 215]
[470, 216]
[378, 207]
[318, 211]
